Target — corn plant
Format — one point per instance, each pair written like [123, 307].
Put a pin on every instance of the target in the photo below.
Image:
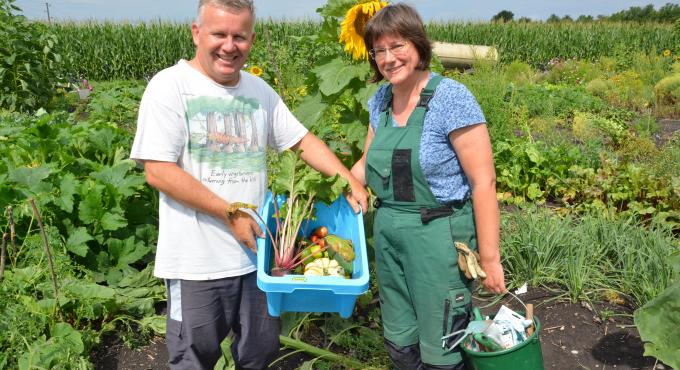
[537, 43]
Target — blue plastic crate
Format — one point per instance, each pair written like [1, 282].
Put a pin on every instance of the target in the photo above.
[298, 293]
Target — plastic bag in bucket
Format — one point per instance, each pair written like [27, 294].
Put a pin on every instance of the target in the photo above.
[526, 355]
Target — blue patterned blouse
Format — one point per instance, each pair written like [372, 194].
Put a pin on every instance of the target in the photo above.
[453, 106]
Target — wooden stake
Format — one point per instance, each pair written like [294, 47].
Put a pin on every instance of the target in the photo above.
[530, 316]
[3, 250]
[12, 235]
[47, 252]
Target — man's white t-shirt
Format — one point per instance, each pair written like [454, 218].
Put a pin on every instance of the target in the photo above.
[218, 134]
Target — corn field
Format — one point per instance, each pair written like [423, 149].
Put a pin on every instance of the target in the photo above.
[108, 51]
[537, 43]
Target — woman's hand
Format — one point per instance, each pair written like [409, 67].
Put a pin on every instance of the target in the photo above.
[495, 280]
[357, 197]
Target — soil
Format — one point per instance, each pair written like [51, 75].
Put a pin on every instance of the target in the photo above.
[581, 335]
[667, 129]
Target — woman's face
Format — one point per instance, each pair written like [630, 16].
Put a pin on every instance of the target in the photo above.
[397, 58]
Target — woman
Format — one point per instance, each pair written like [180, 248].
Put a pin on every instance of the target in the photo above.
[428, 158]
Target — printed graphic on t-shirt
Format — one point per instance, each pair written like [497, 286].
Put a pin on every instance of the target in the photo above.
[226, 135]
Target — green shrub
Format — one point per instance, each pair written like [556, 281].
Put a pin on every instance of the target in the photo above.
[651, 67]
[554, 100]
[588, 126]
[646, 126]
[637, 149]
[571, 71]
[30, 65]
[599, 87]
[116, 102]
[667, 91]
[668, 161]
[521, 73]
[676, 32]
[532, 171]
[625, 90]
[629, 189]
[489, 88]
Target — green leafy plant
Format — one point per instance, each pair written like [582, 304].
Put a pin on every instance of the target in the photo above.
[531, 171]
[657, 322]
[301, 186]
[337, 90]
[81, 179]
[667, 95]
[588, 126]
[604, 252]
[30, 62]
[116, 102]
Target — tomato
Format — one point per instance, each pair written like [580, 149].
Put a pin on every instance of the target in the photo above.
[320, 231]
[321, 242]
[314, 239]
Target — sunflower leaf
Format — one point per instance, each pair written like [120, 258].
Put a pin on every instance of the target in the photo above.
[310, 109]
[335, 8]
[337, 74]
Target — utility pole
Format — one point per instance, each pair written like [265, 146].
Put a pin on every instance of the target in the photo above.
[47, 6]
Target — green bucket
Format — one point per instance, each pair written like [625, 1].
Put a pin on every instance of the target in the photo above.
[524, 356]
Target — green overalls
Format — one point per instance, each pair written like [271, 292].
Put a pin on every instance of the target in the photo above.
[423, 294]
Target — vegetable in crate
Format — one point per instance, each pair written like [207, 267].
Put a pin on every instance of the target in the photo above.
[324, 267]
[302, 187]
[310, 251]
[342, 251]
[320, 232]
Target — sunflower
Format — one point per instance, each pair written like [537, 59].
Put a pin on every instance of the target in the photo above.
[255, 70]
[352, 28]
[666, 53]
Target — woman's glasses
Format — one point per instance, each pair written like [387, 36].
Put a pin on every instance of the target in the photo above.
[395, 50]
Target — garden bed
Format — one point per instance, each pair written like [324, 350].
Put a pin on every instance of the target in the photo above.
[573, 336]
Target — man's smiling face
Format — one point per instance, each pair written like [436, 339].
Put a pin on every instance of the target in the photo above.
[223, 39]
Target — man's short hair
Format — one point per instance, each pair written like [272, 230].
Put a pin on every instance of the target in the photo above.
[237, 5]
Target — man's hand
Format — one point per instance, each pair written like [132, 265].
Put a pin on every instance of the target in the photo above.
[358, 196]
[244, 228]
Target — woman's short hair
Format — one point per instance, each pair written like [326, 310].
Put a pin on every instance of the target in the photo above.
[403, 20]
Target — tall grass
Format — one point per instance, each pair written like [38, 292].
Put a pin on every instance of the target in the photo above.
[105, 51]
[586, 255]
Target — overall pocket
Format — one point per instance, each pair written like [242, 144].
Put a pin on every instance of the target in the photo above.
[378, 179]
[457, 316]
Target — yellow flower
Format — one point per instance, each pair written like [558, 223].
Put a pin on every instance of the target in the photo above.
[255, 70]
[352, 27]
[666, 53]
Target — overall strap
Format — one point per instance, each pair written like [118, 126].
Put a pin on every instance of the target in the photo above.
[385, 108]
[419, 113]
[417, 117]
[428, 92]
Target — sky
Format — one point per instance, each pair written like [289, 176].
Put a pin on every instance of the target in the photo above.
[430, 10]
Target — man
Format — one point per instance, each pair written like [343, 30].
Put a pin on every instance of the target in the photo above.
[202, 129]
